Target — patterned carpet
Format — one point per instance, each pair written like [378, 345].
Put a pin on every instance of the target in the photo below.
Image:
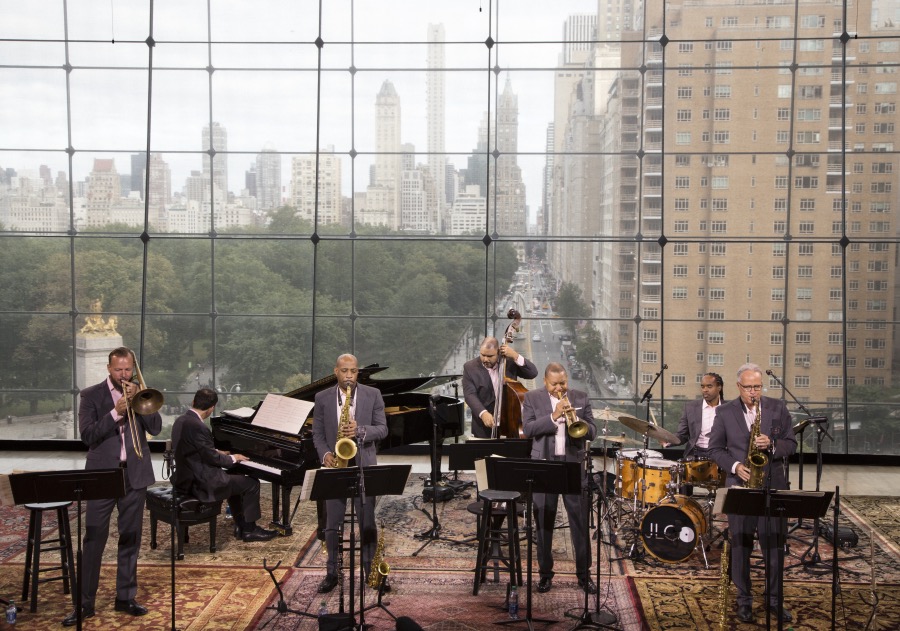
[230, 589]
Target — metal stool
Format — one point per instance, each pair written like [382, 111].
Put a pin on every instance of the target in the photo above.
[492, 540]
[63, 543]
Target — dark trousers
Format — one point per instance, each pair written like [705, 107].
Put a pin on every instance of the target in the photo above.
[545, 508]
[771, 541]
[243, 498]
[334, 524]
[130, 525]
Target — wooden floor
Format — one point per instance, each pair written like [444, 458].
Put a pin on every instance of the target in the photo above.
[852, 479]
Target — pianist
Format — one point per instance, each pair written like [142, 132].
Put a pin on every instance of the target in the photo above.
[200, 469]
[367, 425]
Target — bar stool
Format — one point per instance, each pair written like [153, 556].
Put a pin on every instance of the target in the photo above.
[63, 543]
[492, 541]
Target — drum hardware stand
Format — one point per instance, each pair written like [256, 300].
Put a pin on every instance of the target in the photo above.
[597, 619]
[280, 607]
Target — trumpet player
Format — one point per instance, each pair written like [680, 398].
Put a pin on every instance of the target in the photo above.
[103, 421]
[547, 417]
[367, 425]
[729, 442]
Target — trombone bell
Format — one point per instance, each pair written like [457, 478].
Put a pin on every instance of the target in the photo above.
[147, 401]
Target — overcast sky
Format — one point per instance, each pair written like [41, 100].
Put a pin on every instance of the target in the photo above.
[265, 93]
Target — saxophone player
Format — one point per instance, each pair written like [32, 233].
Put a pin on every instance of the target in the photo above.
[367, 425]
[729, 444]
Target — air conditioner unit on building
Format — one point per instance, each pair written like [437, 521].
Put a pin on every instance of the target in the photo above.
[806, 364]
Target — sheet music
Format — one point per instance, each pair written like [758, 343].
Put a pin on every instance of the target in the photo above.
[308, 481]
[240, 412]
[282, 414]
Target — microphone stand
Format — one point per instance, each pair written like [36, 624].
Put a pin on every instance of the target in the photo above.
[169, 474]
[648, 395]
[802, 428]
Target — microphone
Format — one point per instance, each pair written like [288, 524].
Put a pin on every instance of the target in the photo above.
[665, 366]
[769, 372]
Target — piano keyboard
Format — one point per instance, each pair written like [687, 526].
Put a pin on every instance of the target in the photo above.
[261, 467]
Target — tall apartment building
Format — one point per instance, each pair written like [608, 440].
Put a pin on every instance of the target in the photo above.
[383, 194]
[104, 192]
[160, 190]
[779, 172]
[506, 189]
[303, 187]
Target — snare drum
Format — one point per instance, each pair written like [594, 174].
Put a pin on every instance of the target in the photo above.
[670, 530]
[701, 472]
[627, 469]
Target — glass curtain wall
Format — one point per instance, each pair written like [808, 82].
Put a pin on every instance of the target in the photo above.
[242, 191]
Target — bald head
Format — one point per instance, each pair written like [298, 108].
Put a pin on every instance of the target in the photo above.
[346, 369]
[489, 352]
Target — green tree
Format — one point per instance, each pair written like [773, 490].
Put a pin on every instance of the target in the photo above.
[570, 306]
[590, 347]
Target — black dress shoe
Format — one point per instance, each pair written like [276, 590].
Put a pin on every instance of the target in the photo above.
[72, 619]
[544, 585]
[587, 585]
[328, 583]
[745, 613]
[238, 533]
[786, 615]
[130, 607]
[258, 534]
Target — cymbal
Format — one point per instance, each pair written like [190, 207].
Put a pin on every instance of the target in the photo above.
[624, 440]
[606, 414]
[653, 431]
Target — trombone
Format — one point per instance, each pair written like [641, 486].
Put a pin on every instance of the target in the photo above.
[144, 401]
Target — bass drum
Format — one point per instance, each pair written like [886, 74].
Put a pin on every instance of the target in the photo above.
[670, 530]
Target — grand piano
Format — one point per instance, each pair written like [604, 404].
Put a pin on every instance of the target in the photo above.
[283, 459]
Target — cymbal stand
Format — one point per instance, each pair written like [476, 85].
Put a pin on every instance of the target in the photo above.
[281, 606]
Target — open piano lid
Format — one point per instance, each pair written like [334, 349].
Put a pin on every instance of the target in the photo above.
[386, 386]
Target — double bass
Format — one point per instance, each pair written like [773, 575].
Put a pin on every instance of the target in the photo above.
[510, 395]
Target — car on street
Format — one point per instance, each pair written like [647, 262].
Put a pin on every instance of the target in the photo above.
[536, 337]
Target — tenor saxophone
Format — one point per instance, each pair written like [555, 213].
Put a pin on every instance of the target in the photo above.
[756, 458]
[380, 568]
[345, 448]
[724, 582]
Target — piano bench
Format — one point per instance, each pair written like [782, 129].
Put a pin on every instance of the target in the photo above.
[191, 512]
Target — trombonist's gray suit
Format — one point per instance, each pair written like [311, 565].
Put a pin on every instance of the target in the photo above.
[540, 427]
[370, 420]
[101, 433]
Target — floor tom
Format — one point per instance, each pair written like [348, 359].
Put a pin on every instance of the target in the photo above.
[671, 530]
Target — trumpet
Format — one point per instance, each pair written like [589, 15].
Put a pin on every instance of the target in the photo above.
[575, 427]
[144, 401]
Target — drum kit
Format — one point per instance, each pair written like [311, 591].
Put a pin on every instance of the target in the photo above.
[647, 508]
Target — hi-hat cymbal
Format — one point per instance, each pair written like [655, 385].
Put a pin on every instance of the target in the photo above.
[606, 415]
[651, 430]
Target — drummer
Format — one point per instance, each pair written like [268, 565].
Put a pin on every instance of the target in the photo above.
[697, 420]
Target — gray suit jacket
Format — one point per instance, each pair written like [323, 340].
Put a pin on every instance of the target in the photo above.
[478, 389]
[539, 426]
[690, 425]
[369, 418]
[730, 438]
[100, 432]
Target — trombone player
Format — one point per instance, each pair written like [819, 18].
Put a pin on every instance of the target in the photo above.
[116, 436]
[561, 425]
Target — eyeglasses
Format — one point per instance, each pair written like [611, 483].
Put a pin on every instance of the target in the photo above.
[751, 388]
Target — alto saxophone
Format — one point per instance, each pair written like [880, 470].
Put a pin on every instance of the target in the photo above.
[344, 448]
[380, 568]
[724, 582]
[756, 458]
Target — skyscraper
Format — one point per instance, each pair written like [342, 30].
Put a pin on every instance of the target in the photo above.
[383, 196]
[268, 179]
[216, 166]
[436, 100]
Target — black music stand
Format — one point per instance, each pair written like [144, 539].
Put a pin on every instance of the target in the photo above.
[462, 456]
[344, 483]
[66, 486]
[528, 477]
[776, 504]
